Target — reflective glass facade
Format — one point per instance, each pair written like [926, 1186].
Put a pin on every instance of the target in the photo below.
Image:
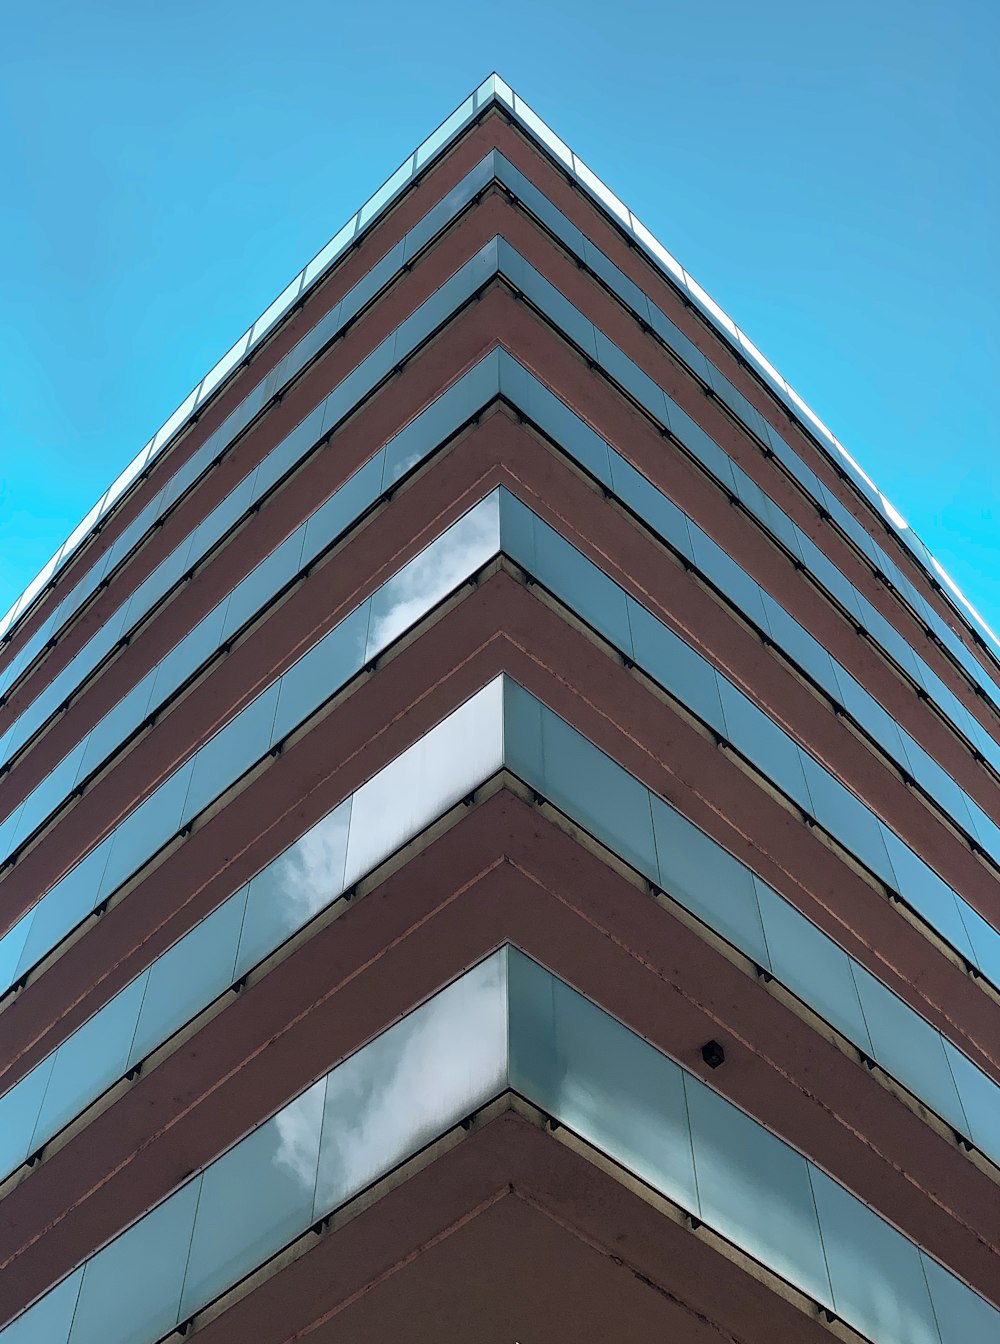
[493, 736]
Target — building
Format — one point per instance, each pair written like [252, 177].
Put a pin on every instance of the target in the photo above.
[497, 829]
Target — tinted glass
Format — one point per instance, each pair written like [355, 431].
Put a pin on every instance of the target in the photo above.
[418, 1078]
[755, 1189]
[708, 881]
[288, 892]
[254, 1199]
[131, 1290]
[599, 1079]
[188, 976]
[890, 1304]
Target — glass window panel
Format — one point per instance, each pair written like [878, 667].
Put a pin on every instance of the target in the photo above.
[782, 526]
[798, 644]
[224, 516]
[321, 672]
[673, 337]
[701, 446]
[980, 1097]
[311, 343]
[65, 905]
[909, 1048]
[131, 1289]
[837, 809]
[231, 752]
[675, 665]
[755, 1190]
[188, 976]
[962, 1315]
[255, 1199]
[599, 1079]
[117, 725]
[812, 966]
[878, 1282]
[522, 733]
[19, 1108]
[432, 775]
[12, 946]
[292, 448]
[869, 713]
[49, 1320]
[290, 890]
[708, 881]
[769, 747]
[187, 656]
[567, 317]
[985, 942]
[434, 573]
[168, 572]
[567, 573]
[90, 1060]
[136, 839]
[629, 376]
[652, 506]
[929, 895]
[262, 583]
[344, 507]
[8, 829]
[420, 1077]
[596, 792]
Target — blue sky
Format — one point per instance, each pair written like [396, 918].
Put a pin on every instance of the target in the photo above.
[828, 173]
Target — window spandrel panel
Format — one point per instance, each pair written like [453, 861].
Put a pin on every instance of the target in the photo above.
[434, 573]
[90, 1060]
[909, 1048]
[708, 881]
[599, 1079]
[425, 1074]
[254, 1199]
[188, 976]
[231, 752]
[675, 665]
[812, 966]
[878, 1282]
[131, 1289]
[49, 1320]
[436, 772]
[19, 1108]
[321, 672]
[285, 895]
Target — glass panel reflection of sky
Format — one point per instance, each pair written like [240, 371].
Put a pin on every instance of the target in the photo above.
[493, 1028]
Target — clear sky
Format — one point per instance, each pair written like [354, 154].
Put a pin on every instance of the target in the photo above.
[829, 173]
